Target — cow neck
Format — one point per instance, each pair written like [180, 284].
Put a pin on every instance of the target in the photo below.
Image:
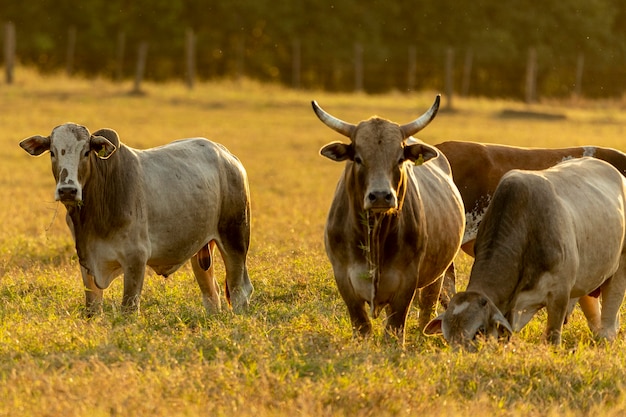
[500, 279]
[110, 199]
[377, 226]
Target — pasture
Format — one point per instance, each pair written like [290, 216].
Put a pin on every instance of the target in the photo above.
[292, 353]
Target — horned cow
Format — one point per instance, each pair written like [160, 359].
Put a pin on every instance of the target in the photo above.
[395, 222]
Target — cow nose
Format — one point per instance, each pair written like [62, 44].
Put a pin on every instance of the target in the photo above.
[67, 193]
[380, 196]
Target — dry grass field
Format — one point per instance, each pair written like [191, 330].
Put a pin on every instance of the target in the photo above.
[292, 353]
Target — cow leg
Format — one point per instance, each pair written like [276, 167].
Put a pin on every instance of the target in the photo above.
[590, 307]
[397, 313]
[133, 284]
[357, 308]
[233, 243]
[207, 282]
[557, 307]
[93, 294]
[428, 297]
[238, 285]
[448, 288]
[612, 298]
[359, 318]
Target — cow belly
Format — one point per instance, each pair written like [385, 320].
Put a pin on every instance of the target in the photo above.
[169, 255]
[174, 241]
[164, 268]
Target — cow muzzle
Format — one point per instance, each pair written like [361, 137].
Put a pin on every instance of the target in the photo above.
[381, 201]
[68, 194]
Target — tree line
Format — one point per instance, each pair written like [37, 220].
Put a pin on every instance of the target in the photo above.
[338, 45]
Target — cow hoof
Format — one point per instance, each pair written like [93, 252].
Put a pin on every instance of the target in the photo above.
[211, 306]
[240, 297]
[92, 311]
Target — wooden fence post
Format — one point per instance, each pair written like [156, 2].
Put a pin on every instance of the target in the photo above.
[296, 63]
[190, 47]
[9, 51]
[358, 67]
[411, 68]
[121, 46]
[142, 54]
[578, 84]
[71, 50]
[531, 76]
[241, 57]
[467, 72]
[449, 77]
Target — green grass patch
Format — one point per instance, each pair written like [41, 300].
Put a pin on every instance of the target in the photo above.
[293, 352]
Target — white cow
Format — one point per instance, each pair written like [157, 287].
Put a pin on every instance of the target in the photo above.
[128, 208]
[547, 238]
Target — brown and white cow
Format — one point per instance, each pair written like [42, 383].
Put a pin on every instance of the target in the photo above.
[128, 208]
[396, 220]
[547, 237]
[477, 169]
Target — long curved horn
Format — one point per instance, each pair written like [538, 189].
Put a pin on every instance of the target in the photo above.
[422, 121]
[337, 125]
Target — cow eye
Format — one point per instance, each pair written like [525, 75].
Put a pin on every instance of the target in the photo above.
[52, 154]
[86, 154]
[358, 160]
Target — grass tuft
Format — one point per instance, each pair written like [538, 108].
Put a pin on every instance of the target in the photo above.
[293, 352]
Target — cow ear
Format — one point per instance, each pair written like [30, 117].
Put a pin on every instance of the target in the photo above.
[36, 145]
[502, 324]
[101, 146]
[434, 326]
[337, 151]
[420, 152]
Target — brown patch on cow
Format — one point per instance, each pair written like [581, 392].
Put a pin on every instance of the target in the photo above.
[204, 258]
[596, 293]
[63, 175]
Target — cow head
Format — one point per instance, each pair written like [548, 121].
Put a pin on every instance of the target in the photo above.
[470, 316]
[72, 150]
[377, 153]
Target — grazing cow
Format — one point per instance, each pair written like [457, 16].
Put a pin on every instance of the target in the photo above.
[477, 169]
[547, 237]
[396, 220]
[128, 208]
